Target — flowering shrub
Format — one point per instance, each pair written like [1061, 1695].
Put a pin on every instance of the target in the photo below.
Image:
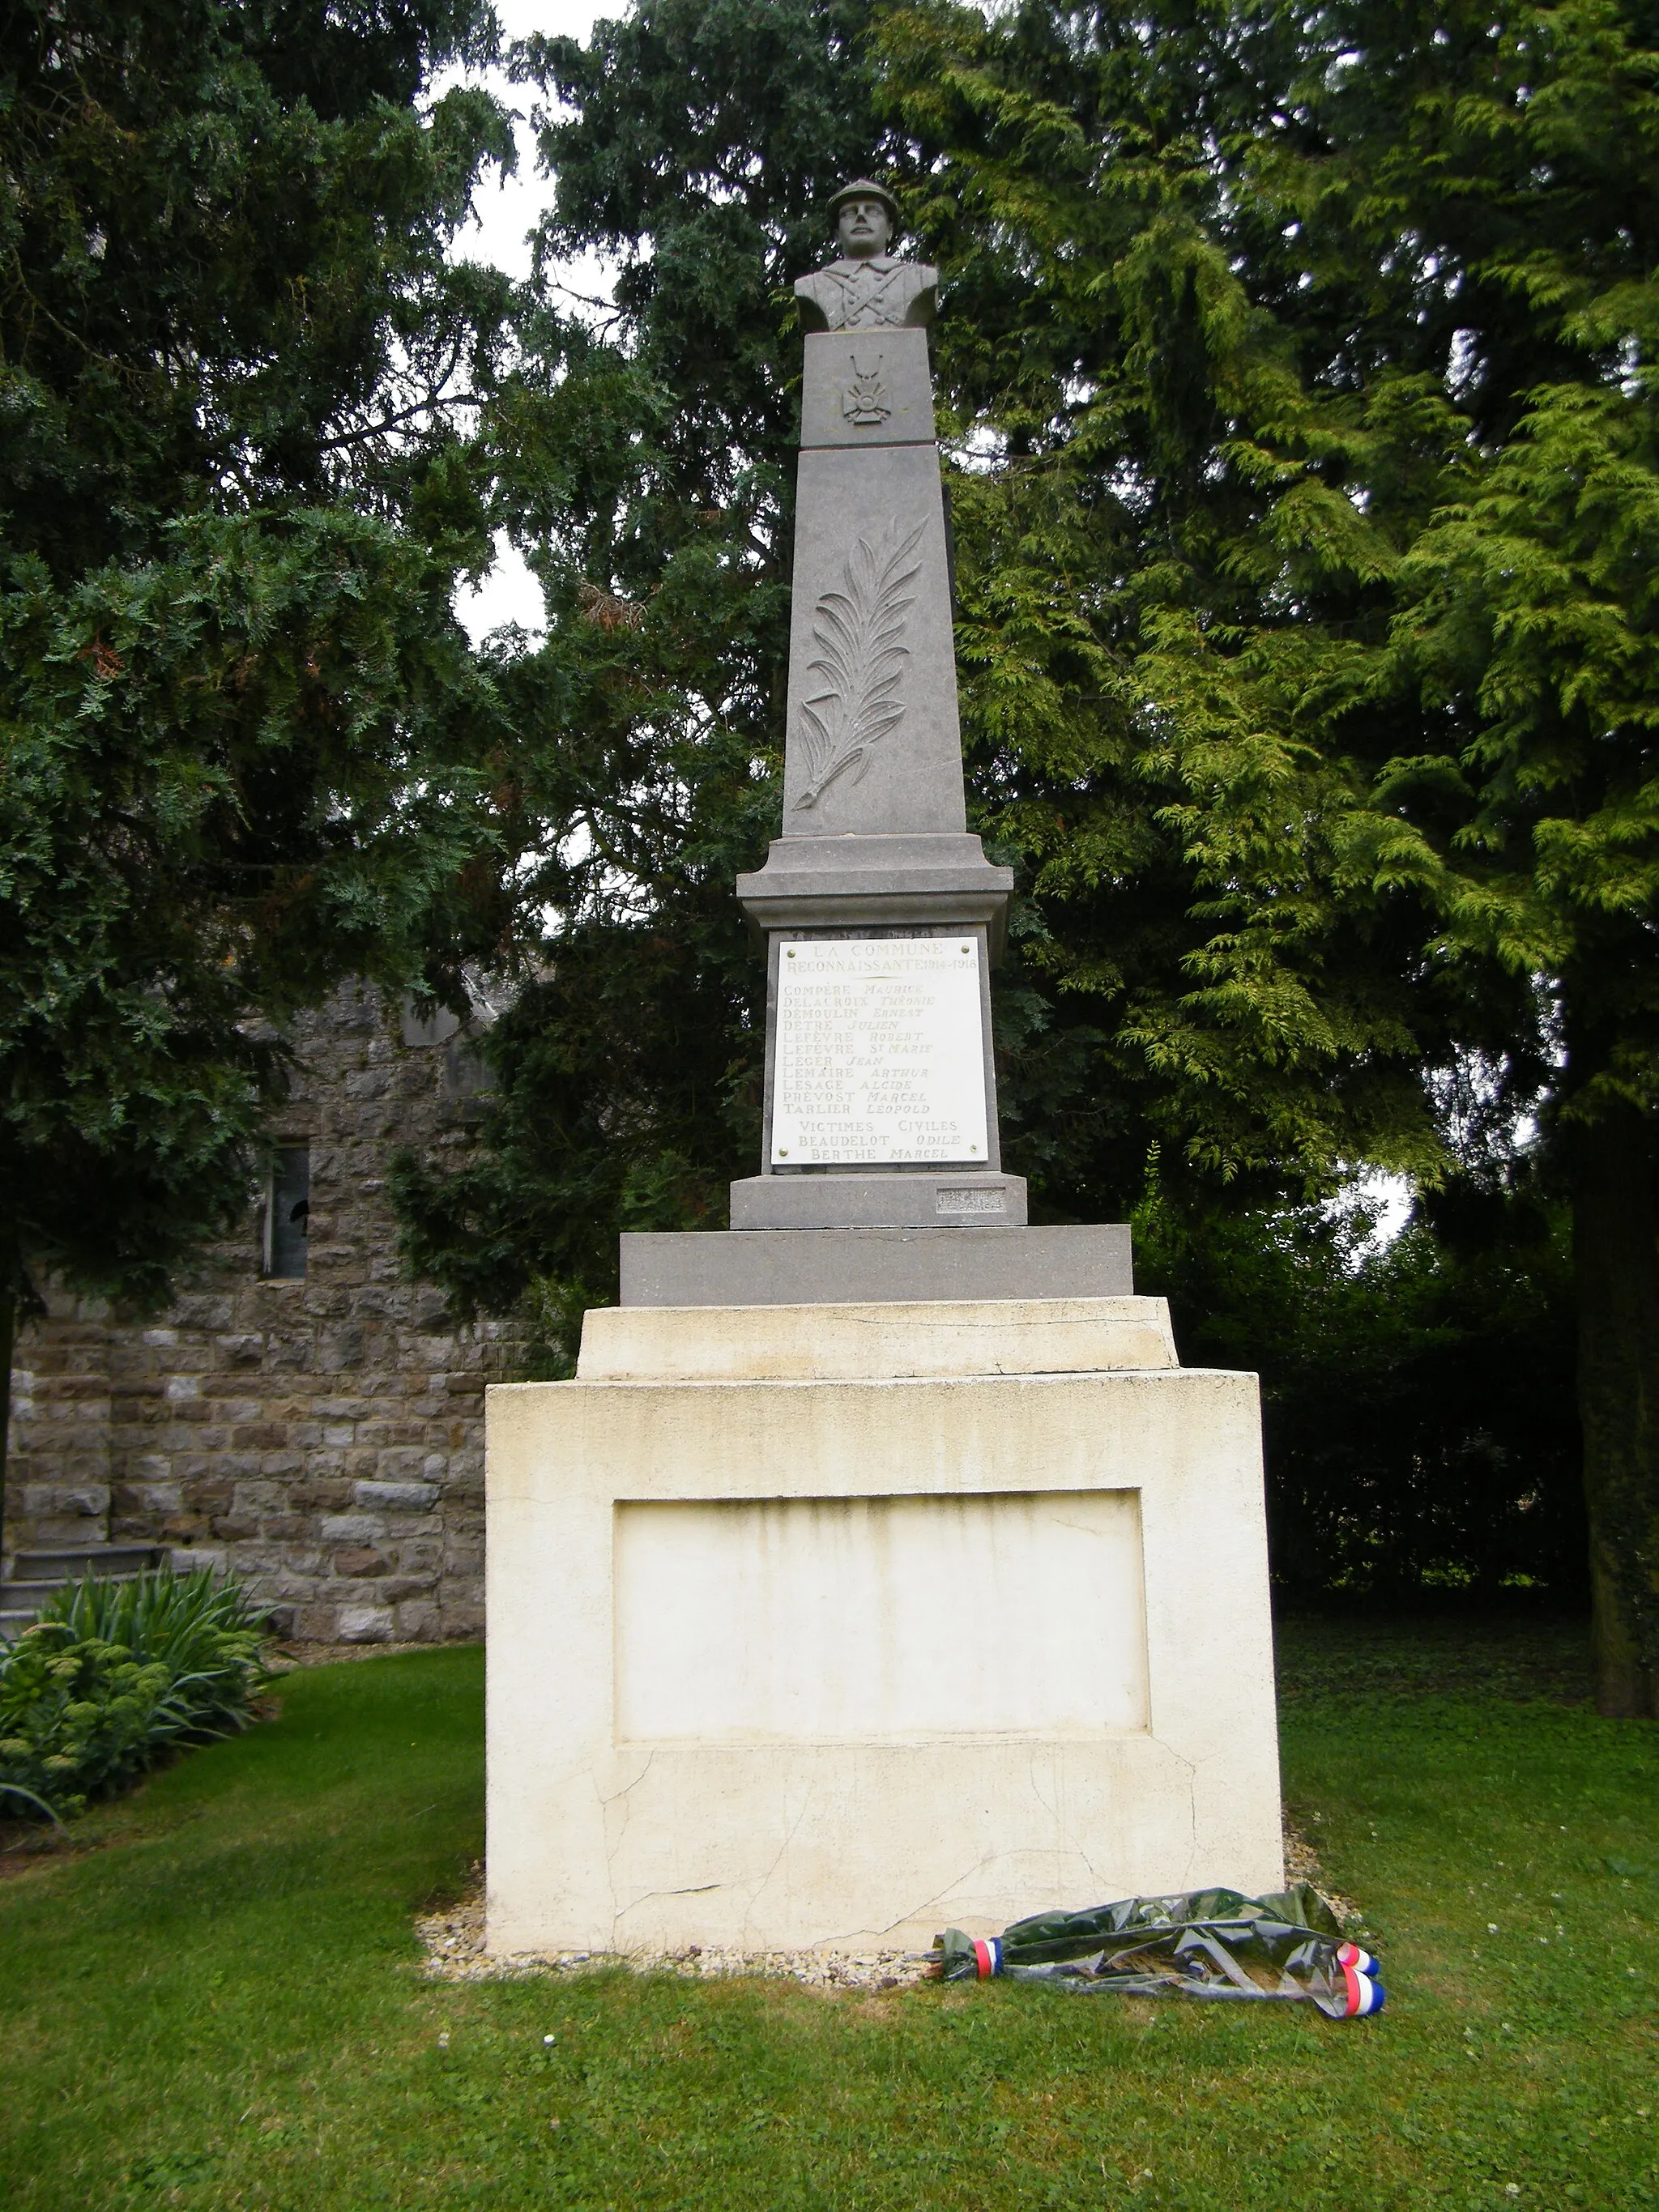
[116, 1673]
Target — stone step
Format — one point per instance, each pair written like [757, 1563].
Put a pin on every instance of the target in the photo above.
[38, 1574]
[63, 1563]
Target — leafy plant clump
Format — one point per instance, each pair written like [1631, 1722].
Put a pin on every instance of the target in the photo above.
[114, 1674]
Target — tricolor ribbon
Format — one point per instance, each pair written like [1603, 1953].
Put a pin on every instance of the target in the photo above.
[1365, 1993]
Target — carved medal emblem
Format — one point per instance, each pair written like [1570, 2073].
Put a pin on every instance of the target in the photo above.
[865, 400]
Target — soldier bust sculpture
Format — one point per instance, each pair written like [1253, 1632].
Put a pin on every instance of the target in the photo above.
[868, 289]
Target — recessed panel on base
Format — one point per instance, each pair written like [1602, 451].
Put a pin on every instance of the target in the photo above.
[863, 1619]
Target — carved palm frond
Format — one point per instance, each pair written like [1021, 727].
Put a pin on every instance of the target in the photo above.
[860, 661]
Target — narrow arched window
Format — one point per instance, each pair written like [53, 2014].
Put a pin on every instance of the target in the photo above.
[287, 1211]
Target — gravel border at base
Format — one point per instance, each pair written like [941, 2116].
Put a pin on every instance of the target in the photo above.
[1302, 1864]
[454, 1943]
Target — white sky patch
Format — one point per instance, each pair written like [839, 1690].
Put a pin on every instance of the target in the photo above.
[983, 449]
[508, 593]
[1387, 1198]
[1463, 360]
[501, 233]
[510, 208]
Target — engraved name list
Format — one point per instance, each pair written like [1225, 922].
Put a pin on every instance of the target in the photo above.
[878, 1057]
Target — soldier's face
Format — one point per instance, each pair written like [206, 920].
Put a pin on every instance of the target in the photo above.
[863, 229]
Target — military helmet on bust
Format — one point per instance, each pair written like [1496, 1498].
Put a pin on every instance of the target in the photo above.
[865, 188]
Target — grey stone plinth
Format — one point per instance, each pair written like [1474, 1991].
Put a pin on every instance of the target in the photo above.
[903, 1200]
[855, 1267]
[866, 880]
[866, 388]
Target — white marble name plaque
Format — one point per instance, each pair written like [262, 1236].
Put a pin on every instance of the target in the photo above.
[878, 1052]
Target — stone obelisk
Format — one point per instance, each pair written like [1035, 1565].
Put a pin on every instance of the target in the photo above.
[880, 910]
[881, 1170]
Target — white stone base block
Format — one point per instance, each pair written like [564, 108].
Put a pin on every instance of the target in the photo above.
[916, 1624]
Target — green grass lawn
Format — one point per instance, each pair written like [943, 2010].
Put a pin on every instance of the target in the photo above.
[218, 2006]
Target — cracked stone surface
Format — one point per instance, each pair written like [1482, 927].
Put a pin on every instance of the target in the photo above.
[453, 1942]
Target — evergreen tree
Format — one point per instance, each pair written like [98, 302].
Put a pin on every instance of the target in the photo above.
[1344, 324]
[239, 726]
[1418, 1422]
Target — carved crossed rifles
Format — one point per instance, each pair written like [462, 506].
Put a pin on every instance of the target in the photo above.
[864, 399]
[860, 661]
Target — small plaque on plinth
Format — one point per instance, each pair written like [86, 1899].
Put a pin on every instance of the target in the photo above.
[879, 1053]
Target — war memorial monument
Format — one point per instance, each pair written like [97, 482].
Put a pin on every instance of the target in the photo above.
[882, 1566]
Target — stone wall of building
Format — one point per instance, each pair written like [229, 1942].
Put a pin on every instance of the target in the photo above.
[322, 1436]
[57, 1472]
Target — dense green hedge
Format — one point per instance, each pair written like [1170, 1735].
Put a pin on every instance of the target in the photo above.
[113, 1674]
